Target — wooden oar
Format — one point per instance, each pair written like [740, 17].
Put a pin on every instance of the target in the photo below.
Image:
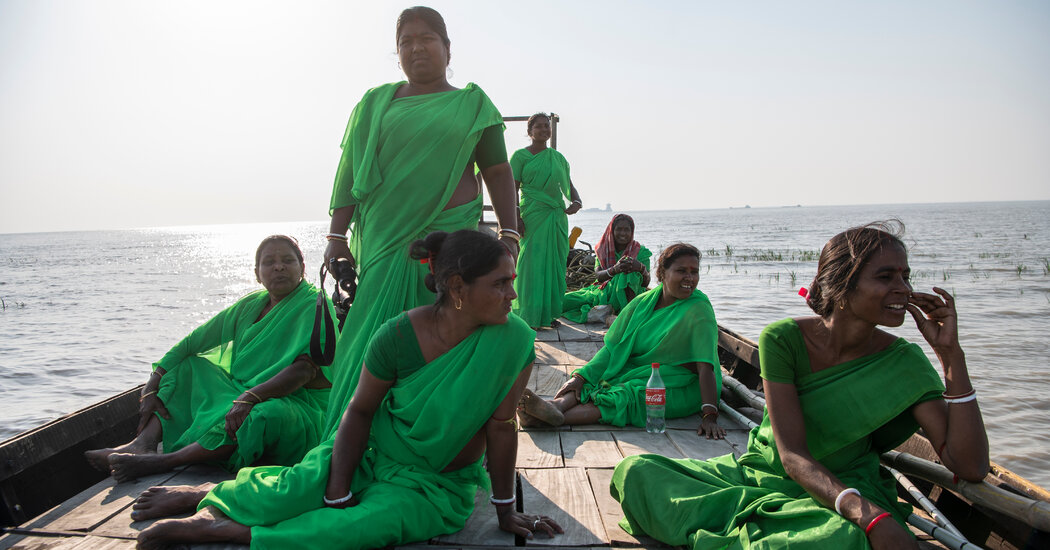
[1032, 512]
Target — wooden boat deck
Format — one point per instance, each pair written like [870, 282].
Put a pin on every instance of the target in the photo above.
[563, 473]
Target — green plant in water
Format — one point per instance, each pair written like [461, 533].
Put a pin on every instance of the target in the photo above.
[945, 275]
[1046, 266]
[1021, 268]
[793, 275]
[729, 251]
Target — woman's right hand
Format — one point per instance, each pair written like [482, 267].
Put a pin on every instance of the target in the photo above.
[338, 249]
[573, 385]
[149, 405]
[889, 535]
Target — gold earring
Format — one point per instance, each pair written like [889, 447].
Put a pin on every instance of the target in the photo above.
[459, 304]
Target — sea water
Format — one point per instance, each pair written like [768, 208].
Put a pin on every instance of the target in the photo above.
[83, 314]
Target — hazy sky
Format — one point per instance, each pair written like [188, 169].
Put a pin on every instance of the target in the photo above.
[137, 113]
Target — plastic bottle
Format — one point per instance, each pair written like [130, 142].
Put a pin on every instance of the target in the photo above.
[655, 402]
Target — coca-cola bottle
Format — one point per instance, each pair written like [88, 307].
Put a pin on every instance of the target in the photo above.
[655, 402]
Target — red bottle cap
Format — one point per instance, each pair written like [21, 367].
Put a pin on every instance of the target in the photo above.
[656, 365]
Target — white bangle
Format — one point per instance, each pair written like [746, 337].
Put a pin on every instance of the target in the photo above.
[333, 502]
[964, 399]
[838, 499]
[713, 406]
[501, 501]
[577, 202]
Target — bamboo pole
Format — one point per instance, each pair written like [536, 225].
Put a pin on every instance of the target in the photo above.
[1032, 512]
[735, 415]
[924, 502]
[742, 391]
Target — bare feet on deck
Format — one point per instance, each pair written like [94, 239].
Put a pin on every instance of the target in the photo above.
[166, 501]
[128, 467]
[555, 323]
[99, 458]
[208, 525]
[540, 409]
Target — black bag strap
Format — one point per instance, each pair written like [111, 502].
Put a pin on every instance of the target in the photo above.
[322, 358]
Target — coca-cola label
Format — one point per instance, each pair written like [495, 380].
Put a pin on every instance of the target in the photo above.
[655, 397]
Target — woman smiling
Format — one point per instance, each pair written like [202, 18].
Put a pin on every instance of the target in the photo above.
[621, 272]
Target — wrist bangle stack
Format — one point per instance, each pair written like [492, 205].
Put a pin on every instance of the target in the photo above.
[336, 237]
[335, 501]
[255, 395]
[875, 522]
[961, 398]
[502, 501]
[838, 499]
[510, 234]
[577, 201]
[712, 405]
[243, 402]
[147, 394]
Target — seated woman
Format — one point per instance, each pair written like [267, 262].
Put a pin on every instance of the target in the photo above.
[839, 391]
[672, 324]
[240, 388]
[621, 269]
[407, 458]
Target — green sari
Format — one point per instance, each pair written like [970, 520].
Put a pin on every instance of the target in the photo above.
[544, 246]
[852, 413]
[405, 495]
[577, 303]
[231, 353]
[402, 160]
[683, 332]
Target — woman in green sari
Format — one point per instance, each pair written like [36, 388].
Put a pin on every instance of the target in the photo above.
[542, 176]
[407, 459]
[839, 391]
[621, 272]
[241, 388]
[672, 324]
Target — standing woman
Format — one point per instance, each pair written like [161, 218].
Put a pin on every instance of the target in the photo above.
[542, 175]
[407, 169]
[621, 272]
[839, 391]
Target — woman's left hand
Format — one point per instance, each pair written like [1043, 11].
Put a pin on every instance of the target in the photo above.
[573, 208]
[709, 427]
[936, 318]
[527, 524]
[238, 413]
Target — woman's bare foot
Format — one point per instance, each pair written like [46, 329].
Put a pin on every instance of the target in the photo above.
[540, 408]
[208, 525]
[525, 420]
[99, 458]
[127, 467]
[165, 501]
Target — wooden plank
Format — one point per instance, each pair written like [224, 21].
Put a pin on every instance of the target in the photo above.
[589, 449]
[95, 505]
[547, 334]
[121, 525]
[568, 332]
[700, 448]
[553, 353]
[611, 512]
[692, 422]
[482, 528]
[639, 442]
[547, 379]
[738, 438]
[580, 352]
[34, 542]
[539, 449]
[565, 495]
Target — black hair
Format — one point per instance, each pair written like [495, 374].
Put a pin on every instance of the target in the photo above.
[842, 259]
[672, 253]
[431, 18]
[467, 253]
[279, 238]
[532, 120]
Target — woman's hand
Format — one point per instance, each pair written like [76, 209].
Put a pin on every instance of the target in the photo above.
[709, 427]
[573, 385]
[238, 413]
[573, 208]
[889, 535]
[936, 319]
[338, 249]
[149, 405]
[527, 524]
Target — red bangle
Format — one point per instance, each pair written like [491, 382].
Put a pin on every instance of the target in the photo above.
[875, 522]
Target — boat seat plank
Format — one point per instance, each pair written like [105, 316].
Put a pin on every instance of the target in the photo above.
[482, 528]
[738, 439]
[553, 353]
[539, 449]
[640, 442]
[565, 495]
[581, 352]
[35, 542]
[589, 449]
[692, 422]
[95, 505]
[571, 332]
[547, 379]
[547, 334]
[700, 448]
[121, 525]
[611, 512]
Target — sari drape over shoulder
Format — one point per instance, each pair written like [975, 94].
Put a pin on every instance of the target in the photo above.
[402, 160]
[681, 333]
[852, 411]
[231, 353]
[417, 431]
[544, 247]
